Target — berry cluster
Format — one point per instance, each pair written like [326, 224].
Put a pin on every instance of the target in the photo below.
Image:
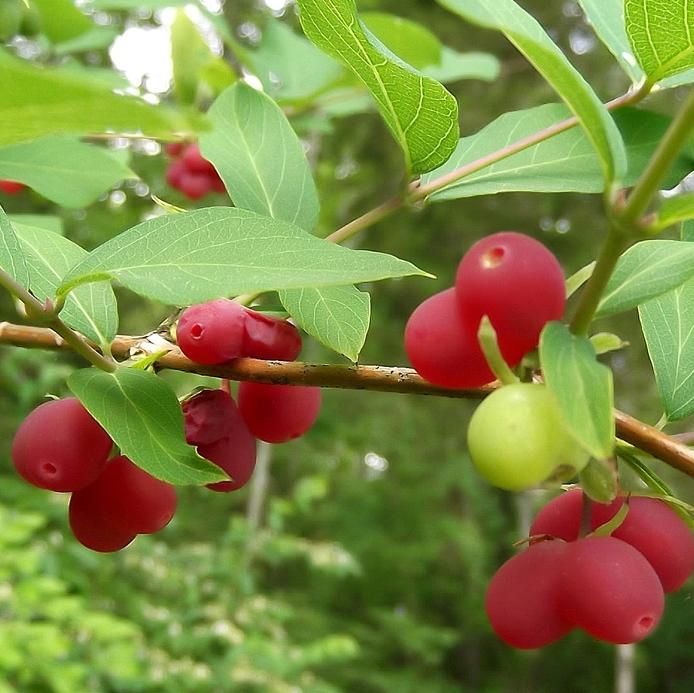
[60, 447]
[10, 187]
[513, 280]
[612, 587]
[194, 176]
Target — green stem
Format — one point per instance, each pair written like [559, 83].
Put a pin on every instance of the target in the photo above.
[490, 348]
[615, 244]
[46, 314]
[674, 140]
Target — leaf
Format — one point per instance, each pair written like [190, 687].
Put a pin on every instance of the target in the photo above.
[61, 20]
[531, 40]
[11, 256]
[37, 101]
[563, 163]
[420, 113]
[604, 342]
[98, 38]
[455, 66]
[290, 67]
[674, 210]
[607, 19]
[39, 221]
[646, 270]
[668, 327]
[582, 386]
[410, 41]
[90, 309]
[207, 253]
[661, 33]
[63, 169]
[579, 278]
[142, 415]
[687, 232]
[189, 54]
[259, 158]
[134, 4]
[337, 316]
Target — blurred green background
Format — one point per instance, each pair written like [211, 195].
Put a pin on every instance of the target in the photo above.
[357, 559]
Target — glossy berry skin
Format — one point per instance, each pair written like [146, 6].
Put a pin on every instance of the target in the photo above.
[442, 348]
[651, 526]
[60, 447]
[517, 440]
[278, 413]
[522, 600]
[213, 332]
[10, 187]
[517, 282]
[206, 415]
[130, 500]
[610, 590]
[268, 338]
[93, 527]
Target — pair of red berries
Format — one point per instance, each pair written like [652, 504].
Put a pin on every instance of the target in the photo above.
[220, 331]
[610, 586]
[194, 176]
[11, 187]
[60, 447]
[511, 278]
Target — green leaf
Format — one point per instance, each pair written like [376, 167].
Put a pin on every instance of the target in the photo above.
[134, 4]
[39, 221]
[259, 157]
[582, 386]
[661, 33]
[668, 327]
[455, 66]
[98, 38]
[338, 316]
[290, 67]
[604, 342]
[687, 232]
[207, 253]
[410, 41]
[646, 270]
[531, 40]
[563, 163]
[142, 415]
[37, 101]
[579, 278]
[420, 113]
[63, 169]
[90, 309]
[674, 210]
[11, 256]
[61, 20]
[189, 54]
[607, 19]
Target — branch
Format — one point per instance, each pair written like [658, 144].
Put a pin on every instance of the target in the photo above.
[376, 378]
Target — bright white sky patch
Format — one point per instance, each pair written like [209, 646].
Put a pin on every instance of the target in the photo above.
[143, 54]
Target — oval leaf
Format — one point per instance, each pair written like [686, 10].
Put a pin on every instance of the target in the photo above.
[582, 386]
[142, 415]
[668, 327]
[11, 256]
[91, 309]
[646, 270]
[63, 169]
[337, 316]
[195, 256]
[259, 157]
[420, 113]
[531, 40]
[674, 210]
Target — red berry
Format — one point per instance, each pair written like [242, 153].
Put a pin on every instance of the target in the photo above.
[206, 415]
[217, 183]
[515, 281]
[173, 149]
[93, 527]
[267, 338]
[658, 532]
[442, 348]
[561, 517]
[175, 172]
[213, 332]
[60, 447]
[130, 500]
[11, 187]
[278, 413]
[610, 590]
[194, 161]
[522, 599]
[194, 185]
